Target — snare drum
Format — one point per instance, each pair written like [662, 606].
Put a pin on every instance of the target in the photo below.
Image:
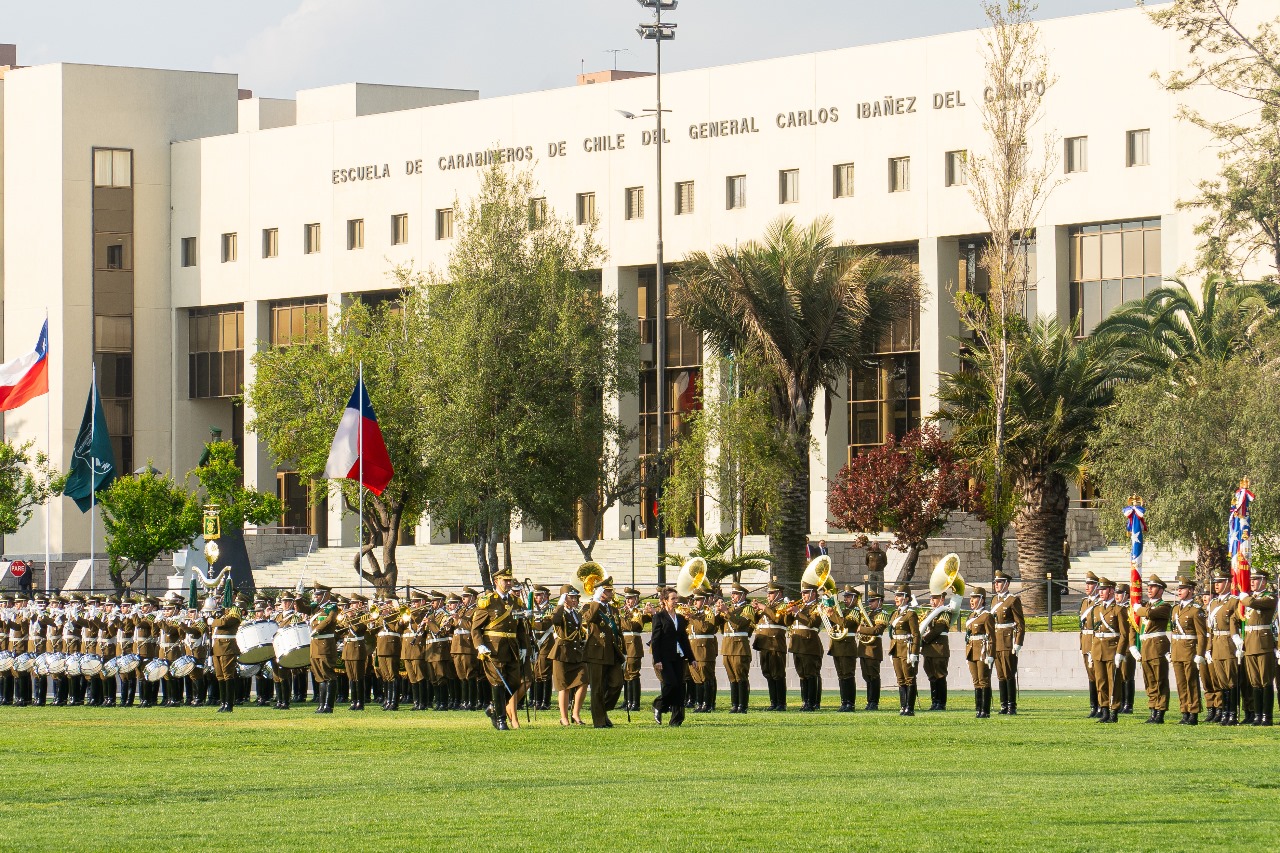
[248, 670]
[73, 664]
[6, 661]
[24, 662]
[128, 664]
[268, 671]
[293, 646]
[42, 665]
[111, 668]
[57, 663]
[254, 640]
[182, 667]
[155, 670]
[90, 665]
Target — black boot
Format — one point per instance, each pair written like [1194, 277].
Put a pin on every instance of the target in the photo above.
[282, 702]
[912, 696]
[933, 695]
[1257, 715]
[733, 696]
[1004, 698]
[942, 695]
[1129, 691]
[1182, 721]
[1093, 700]
[873, 695]
[224, 705]
[1193, 719]
[977, 702]
[986, 702]
[904, 696]
[712, 691]
[356, 691]
[1013, 698]
[815, 692]
[782, 693]
[844, 708]
[321, 688]
[1151, 716]
[1268, 699]
[744, 696]
[1211, 716]
[1228, 705]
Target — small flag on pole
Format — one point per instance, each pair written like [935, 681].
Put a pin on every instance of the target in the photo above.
[359, 434]
[93, 462]
[27, 376]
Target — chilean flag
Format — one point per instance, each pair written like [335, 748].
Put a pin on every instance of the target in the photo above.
[359, 437]
[27, 376]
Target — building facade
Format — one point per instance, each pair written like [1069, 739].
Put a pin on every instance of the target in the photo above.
[171, 228]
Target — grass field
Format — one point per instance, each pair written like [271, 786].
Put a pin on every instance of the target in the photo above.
[1048, 779]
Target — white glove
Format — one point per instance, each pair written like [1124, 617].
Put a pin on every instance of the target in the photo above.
[911, 659]
[1119, 659]
[1208, 658]
[1239, 655]
[1137, 655]
[1168, 657]
[1239, 641]
[1090, 661]
[483, 652]
[524, 655]
[988, 660]
[1199, 659]
[1017, 647]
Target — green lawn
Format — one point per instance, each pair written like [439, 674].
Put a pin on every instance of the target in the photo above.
[258, 779]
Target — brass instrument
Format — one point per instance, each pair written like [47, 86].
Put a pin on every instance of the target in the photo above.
[692, 577]
[587, 578]
[945, 578]
[818, 574]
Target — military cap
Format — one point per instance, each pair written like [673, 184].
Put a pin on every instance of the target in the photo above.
[1260, 574]
[261, 603]
[357, 597]
[321, 587]
[774, 586]
[699, 593]
[737, 587]
[502, 573]
[1221, 576]
[977, 592]
[155, 602]
[467, 590]
[569, 589]
[286, 596]
[42, 599]
[437, 595]
[418, 594]
[807, 587]
[631, 592]
[1090, 577]
[902, 589]
[849, 589]
[1106, 583]
[1185, 582]
[1000, 575]
[875, 595]
[1122, 589]
[454, 599]
[242, 599]
[392, 601]
[8, 599]
[1154, 580]
[542, 589]
[606, 582]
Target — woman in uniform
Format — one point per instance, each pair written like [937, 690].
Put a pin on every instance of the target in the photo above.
[568, 648]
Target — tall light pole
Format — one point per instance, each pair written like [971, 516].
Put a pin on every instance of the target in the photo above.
[659, 31]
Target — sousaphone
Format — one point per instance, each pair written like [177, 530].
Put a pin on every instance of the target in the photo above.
[692, 577]
[946, 577]
[587, 578]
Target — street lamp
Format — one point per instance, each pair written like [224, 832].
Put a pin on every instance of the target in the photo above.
[633, 524]
[659, 31]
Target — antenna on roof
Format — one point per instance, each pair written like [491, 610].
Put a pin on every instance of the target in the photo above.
[615, 52]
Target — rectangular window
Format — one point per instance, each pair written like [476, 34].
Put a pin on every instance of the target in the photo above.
[112, 167]
[355, 234]
[1111, 263]
[188, 251]
[1076, 154]
[537, 212]
[957, 168]
[311, 238]
[230, 247]
[634, 203]
[1138, 148]
[586, 208]
[899, 174]
[270, 242]
[444, 223]
[215, 347]
[112, 251]
[299, 321]
[735, 192]
[788, 186]
[842, 180]
[399, 229]
[684, 197]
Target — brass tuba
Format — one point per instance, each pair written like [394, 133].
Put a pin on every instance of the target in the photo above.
[692, 577]
[818, 574]
[945, 579]
[587, 577]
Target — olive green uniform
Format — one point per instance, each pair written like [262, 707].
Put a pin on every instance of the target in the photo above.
[979, 651]
[568, 649]
[1188, 640]
[494, 626]
[1112, 633]
[871, 652]
[604, 656]
[806, 653]
[770, 640]
[703, 637]
[1260, 652]
[1223, 622]
[735, 647]
[935, 654]
[1011, 627]
[1155, 645]
[633, 622]
[904, 648]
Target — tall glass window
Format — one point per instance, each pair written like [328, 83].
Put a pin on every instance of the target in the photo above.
[1112, 263]
[215, 352]
[112, 294]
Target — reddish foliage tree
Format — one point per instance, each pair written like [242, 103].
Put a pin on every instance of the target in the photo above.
[905, 487]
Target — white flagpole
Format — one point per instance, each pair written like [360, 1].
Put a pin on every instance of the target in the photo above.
[360, 484]
[93, 465]
[48, 432]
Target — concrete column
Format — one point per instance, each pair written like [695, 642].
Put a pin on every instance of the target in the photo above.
[1053, 268]
[259, 467]
[620, 283]
[939, 322]
[836, 449]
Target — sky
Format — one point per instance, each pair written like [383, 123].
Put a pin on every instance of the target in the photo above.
[497, 46]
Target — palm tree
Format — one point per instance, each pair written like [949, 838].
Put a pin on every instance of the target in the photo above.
[806, 308]
[1059, 387]
[722, 559]
[1171, 332]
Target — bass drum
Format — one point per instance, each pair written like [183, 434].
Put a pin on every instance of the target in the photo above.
[24, 662]
[293, 646]
[73, 664]
[90, 665]
[254, 640]
[155, 670]
[248, 670]
[57, 663]
[111, 668]
[182, 667]
[128, 664]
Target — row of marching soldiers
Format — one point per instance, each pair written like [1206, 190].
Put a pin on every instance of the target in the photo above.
[1221, 647]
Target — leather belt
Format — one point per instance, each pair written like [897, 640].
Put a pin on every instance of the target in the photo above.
[1155, 634]
[322, 636]
[1184, 636]
[736, 634]
[510, 634]
[1257, 627]
[633, 633]
[803, 628]
[1006, 624]
[1106, 635]
[900, 636]
[702, 637]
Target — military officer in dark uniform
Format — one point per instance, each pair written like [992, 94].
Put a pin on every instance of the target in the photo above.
[1259, 610]
[324, 647]
[493, 628]
[770, 640]
[935, 652]
[1154, 613]
[1011, 627]
[904, 647]
[1188, 639]
[224, 624]
[871, 628]
[605, 653]
[735, 632]
[980, 646]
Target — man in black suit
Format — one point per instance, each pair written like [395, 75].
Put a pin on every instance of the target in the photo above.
[671, 655]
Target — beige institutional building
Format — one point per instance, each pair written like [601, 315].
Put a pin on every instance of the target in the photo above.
[171, 225]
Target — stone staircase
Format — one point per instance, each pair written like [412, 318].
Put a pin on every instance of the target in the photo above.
[1113, 562]
[451, 567]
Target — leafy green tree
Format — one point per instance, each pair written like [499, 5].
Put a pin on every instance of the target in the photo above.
[27, 481]
[729, 452]
[805, 309]
[1183, 447]
[145, 515]
[723, 559]
[1242, 204]
[222, 480]
[1171, 331]
[525, 352]
[301, 390]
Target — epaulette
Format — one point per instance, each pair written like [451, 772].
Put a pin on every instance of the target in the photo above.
[485, 600]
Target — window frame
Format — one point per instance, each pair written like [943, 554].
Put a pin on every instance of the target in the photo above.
[839, 187]
[355, 234]
[1073, 161]
[188, 252]
[956, 168]
[735, 192]
[633, 203]
[230, 247]
[905, 185]
[788, 186]
[582, 202]
[444, 223]
[1131, 137]
[399, 229]
[270, 243]
[311, 238]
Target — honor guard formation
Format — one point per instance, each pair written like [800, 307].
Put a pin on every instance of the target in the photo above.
[509, 649]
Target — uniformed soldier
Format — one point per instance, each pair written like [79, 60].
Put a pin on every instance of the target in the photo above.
[462, 650]
[1087, 604]
[1011, 627]
[605, 652]
[1112, 633]
[324, 646]
[1128, 675]
[805, 623]
[19, 683]
[568, 655]
[196, 644]
[980, 645]
[770, 640]
[633, 619]
[736, 625]
[540, 622]
[935, 652]
[355, 649]
[146, 645]
[704, 622]
[7, 680]
[1226, 647]
[37, 644]
[387, 662]
[412, 650]
[439, 641]
[286, 616]
[871, 628]
[1155, 613]
[224, 624]
[1188, 640]
[1258, 610]
[169, 636]
[73, 685]
[493, 628]
[904, 648]
[844, 650]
